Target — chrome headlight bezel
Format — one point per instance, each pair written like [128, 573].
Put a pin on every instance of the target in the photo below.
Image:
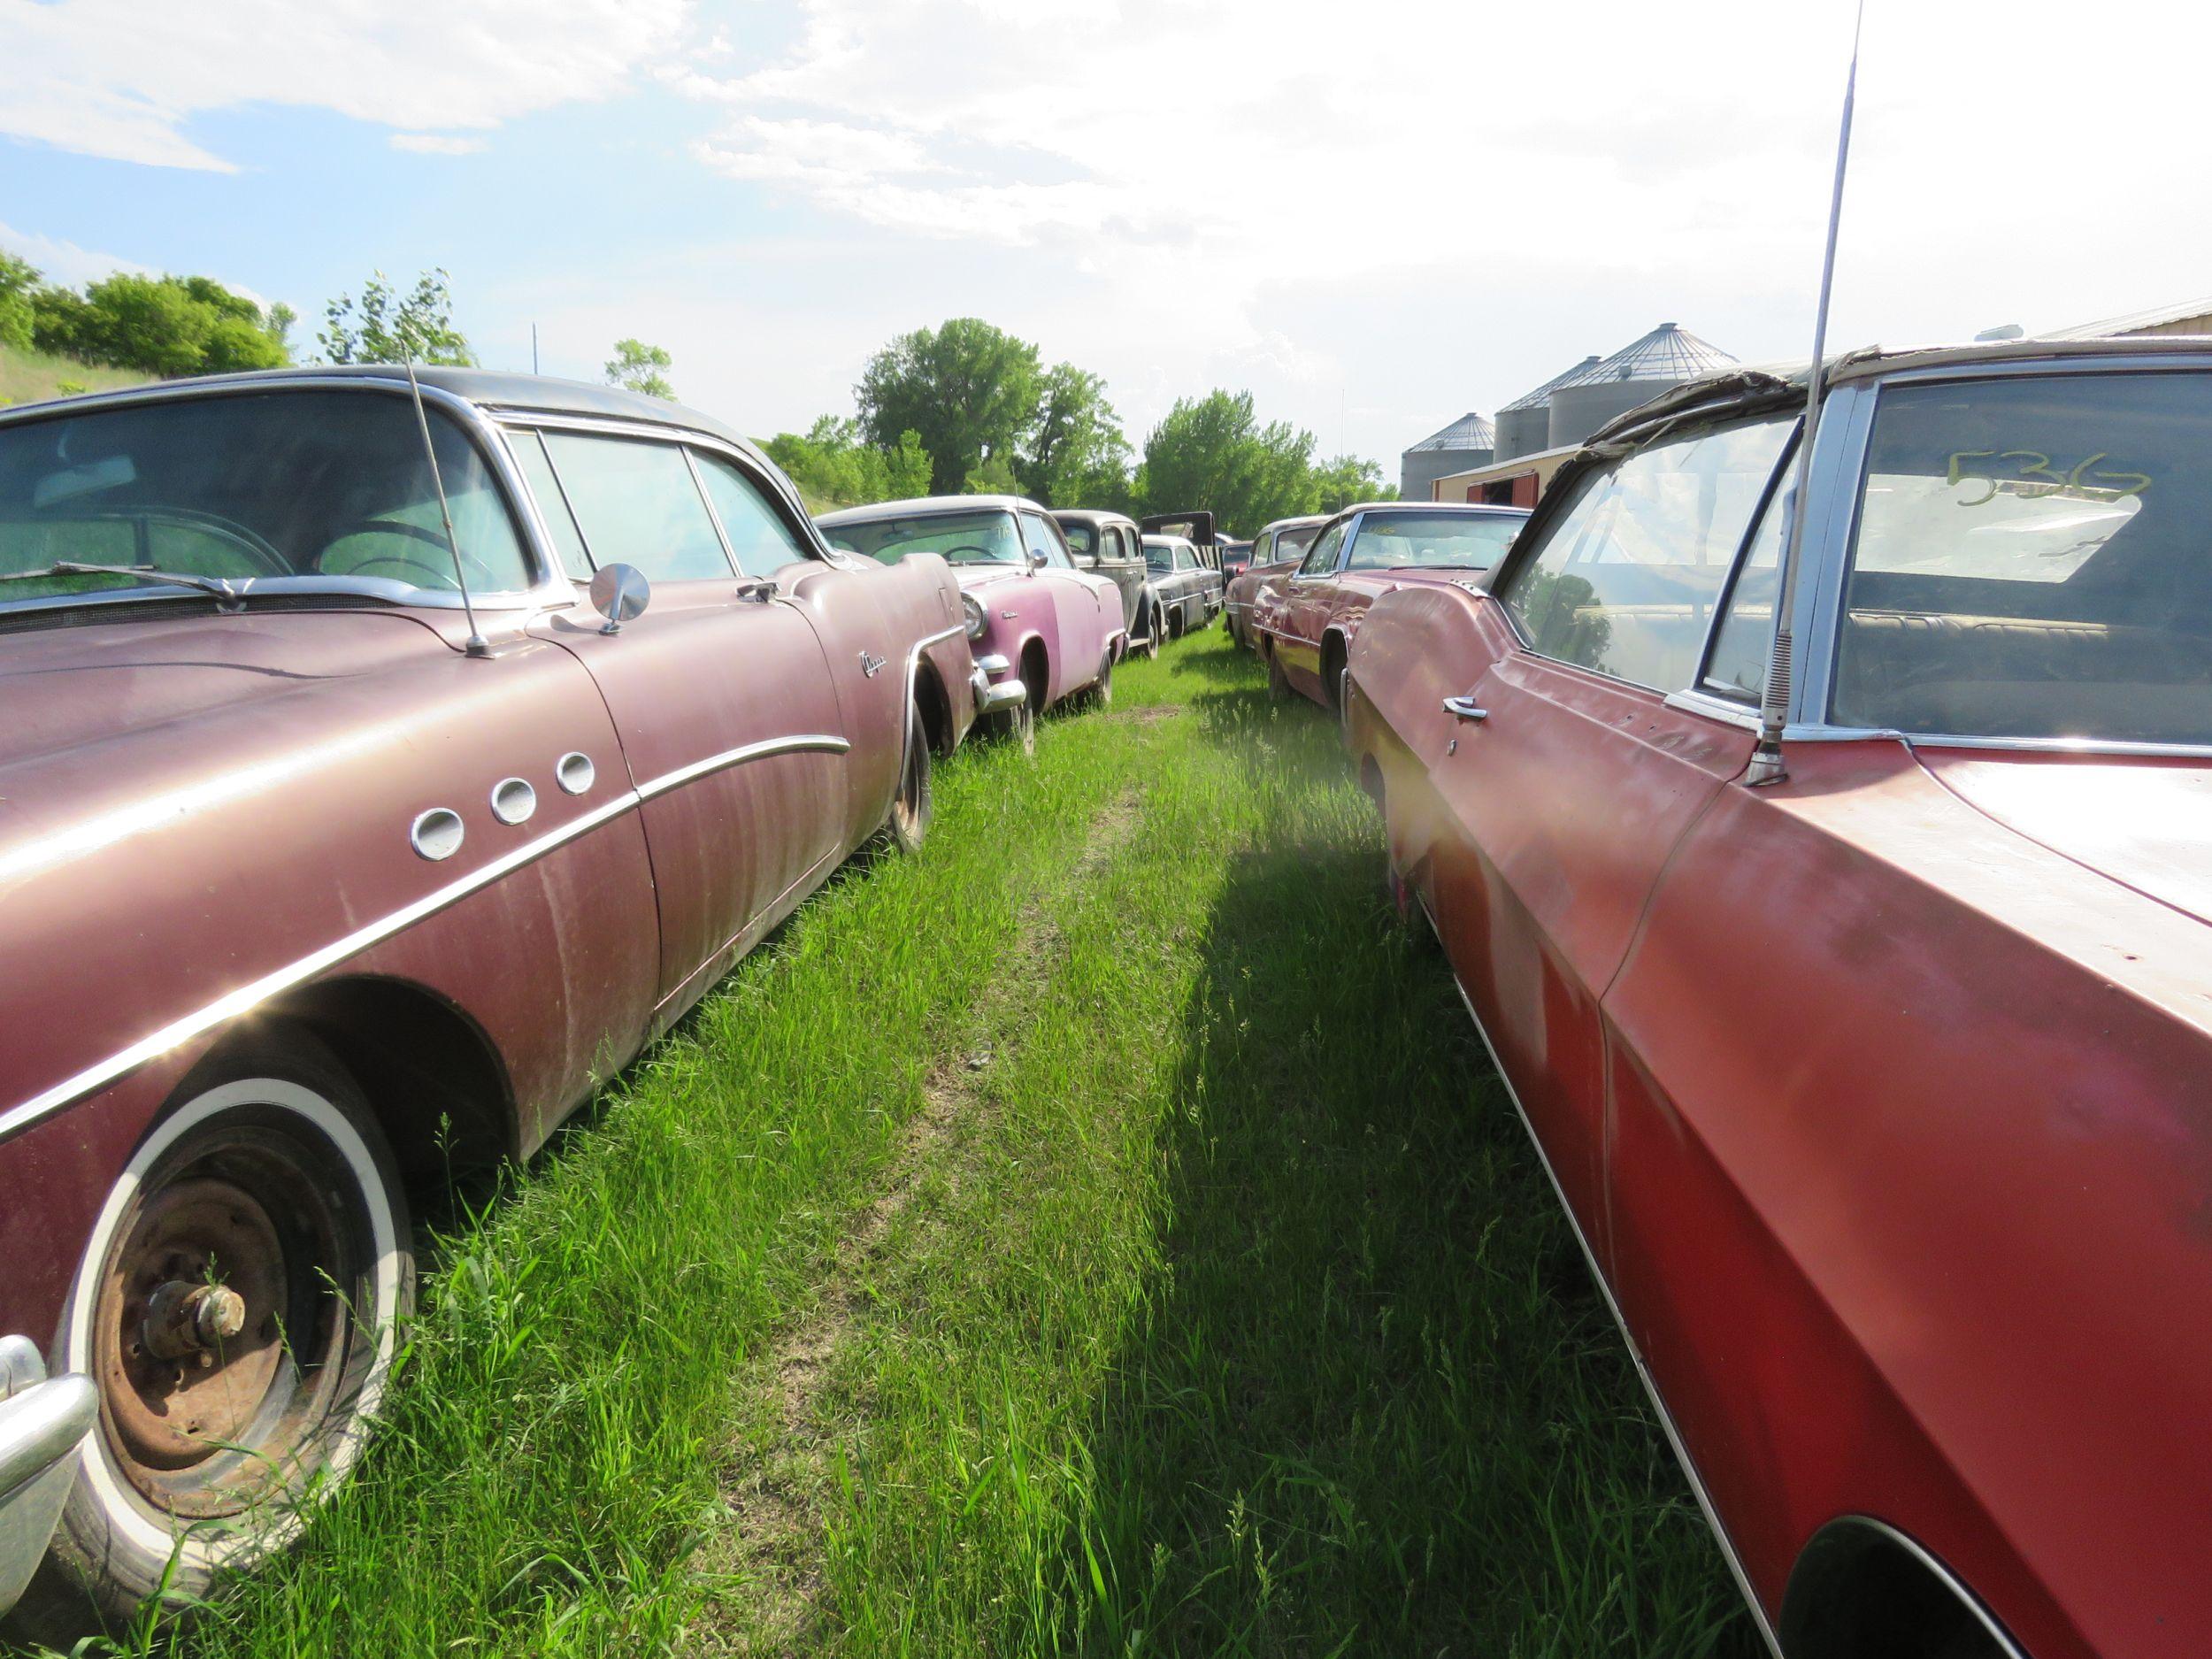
[971, 610]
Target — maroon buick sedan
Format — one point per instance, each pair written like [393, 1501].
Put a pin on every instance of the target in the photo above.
[374, 761]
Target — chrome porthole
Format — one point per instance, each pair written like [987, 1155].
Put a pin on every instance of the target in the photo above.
[437, 833]
[513, 800]
[575, 772]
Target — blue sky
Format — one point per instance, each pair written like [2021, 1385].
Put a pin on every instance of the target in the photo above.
[1375, 218]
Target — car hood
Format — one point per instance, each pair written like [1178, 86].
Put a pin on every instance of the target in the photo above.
[971, 577]
[2144, 823]
[72, 688]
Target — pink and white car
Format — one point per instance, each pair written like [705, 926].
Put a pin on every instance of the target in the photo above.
[1033, 619]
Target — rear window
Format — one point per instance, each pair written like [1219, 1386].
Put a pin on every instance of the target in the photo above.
[2031, 560]
[1430, 541]
[1082, 538]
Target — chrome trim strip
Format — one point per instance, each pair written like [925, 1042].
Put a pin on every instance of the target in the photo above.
[240, 1000]
[825, 741]
[1635, 1355]
[1714, 708]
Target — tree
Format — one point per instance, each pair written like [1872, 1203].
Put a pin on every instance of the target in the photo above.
[636, 367]
[281, 317]
[165, 325]
[18, 282]
[834, 466]
[1349, 479]
[1211, 452]
[383, 326]
[969, 391]
[1075, 454]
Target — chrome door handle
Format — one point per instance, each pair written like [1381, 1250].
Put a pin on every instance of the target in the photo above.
[1464, 709]
[759, 591]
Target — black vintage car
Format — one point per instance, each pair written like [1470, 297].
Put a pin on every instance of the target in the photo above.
[1188, 588]
[1109, 543]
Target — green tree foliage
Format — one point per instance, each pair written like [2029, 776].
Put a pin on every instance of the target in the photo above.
[385, 324]
[638, 367]
[834, 466]
[18, 282]
[968, 390]
[1212, 452]
[1349, 479]
[995, 477]
[1075, 454]
[164, 324]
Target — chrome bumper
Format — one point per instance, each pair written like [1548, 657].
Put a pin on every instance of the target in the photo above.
[991, 699]
[41, 1423]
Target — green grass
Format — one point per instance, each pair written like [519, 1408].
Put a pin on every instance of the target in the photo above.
[30, 377]
[1099, 1235]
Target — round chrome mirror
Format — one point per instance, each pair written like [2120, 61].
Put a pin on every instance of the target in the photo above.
[620, 594]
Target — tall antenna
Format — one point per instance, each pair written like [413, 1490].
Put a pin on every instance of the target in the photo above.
[477, 645]
[1774, 704]
[533, 348]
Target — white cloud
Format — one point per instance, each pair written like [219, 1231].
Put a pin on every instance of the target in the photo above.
[123, 79]
[1380, 218]
[437, 143]
[64, 262]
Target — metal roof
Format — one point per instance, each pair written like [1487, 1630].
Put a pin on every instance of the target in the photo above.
[2161, 317]
[1471, 431]
[1667, 353]
[1538, 397]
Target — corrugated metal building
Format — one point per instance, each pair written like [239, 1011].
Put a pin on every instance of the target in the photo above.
[2190, 316]
[1468, 441]
[1524, 424]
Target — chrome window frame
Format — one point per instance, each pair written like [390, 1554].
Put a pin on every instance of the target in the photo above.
[548, 586]
[1837, 495]
[1351, 530]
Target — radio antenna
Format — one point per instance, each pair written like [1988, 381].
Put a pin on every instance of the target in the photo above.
[1774, 703]
[477, 645]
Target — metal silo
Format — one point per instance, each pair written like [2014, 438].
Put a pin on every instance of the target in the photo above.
[1467, 442]
[1637, 372]
[1524, 424]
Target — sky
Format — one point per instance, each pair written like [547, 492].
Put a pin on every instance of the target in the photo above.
[1374, 217]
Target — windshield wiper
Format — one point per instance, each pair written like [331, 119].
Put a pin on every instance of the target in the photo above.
[216, 585]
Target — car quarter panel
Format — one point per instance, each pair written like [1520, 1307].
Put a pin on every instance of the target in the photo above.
[1913, 1197]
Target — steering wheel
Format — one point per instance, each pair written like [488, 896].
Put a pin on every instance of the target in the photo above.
[363, 568]
[443, 567]
[984, 553]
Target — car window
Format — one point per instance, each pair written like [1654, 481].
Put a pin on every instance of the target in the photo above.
[1260, 545]
[1321, 557]
[1184, 561]
[760, 542]
[1433, 540]
[560, 524]
[2033, 558]
[1083, 538]
[1744, 643]
[636, 503]
[1043, 543]
[1625, 578]
[276, 484]
[1290, 544]
[983, 537]
[1159, 555]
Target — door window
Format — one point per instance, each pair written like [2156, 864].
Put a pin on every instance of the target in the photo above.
[1044, 543]
[1744, 643]
[760, 542]
[560, 524]
[1184, 561]
[1624, 581]
[637, 503]
[1321, 557]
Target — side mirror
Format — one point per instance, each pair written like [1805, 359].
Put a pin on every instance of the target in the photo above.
[620, 594]
[1034, 559]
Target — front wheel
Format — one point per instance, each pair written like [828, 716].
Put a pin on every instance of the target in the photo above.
[1017, 725]
[236, 1307]
[908, 824]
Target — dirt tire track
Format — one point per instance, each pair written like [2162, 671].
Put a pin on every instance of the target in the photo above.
[773, 1549]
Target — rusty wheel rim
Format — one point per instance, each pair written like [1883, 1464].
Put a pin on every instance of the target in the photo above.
[224, 1317]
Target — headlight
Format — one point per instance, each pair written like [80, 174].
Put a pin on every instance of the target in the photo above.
[974, 613]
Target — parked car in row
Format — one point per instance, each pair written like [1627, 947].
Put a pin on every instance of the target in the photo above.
[1276, 552]
[1236, 557]
[1111, 544]
[1186, 587]
[1881, 1094]
[1196, 526]
[1305, 624]
[287, 815]
[1033, 618]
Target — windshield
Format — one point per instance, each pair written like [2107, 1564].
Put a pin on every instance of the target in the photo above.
[1160, 556]
[1438, 541]
[960, 538]
[2034, 559]
[1291, 545]
[1082, 538]
[278, 484]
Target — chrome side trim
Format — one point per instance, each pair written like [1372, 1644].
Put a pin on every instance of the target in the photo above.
[1714, 708]
[913, 668]
[1935, 1570]
[1635, 1355]
[824, 742]
[246, 997]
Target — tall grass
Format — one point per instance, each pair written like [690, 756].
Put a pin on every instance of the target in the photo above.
[1228, 1312]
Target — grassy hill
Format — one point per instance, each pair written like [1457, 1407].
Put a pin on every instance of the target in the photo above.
[28, 377]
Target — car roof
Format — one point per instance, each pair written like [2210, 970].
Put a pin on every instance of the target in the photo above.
[1091, 515]
[490, 389]
[917, 506]
[1300, 522]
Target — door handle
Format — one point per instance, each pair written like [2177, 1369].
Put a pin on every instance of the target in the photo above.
[760, 590]
[1464, 709]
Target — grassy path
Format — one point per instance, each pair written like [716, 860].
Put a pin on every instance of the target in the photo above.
[1099, 1235]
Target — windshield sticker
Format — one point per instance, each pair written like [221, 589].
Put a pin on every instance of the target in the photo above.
[2036, 466]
